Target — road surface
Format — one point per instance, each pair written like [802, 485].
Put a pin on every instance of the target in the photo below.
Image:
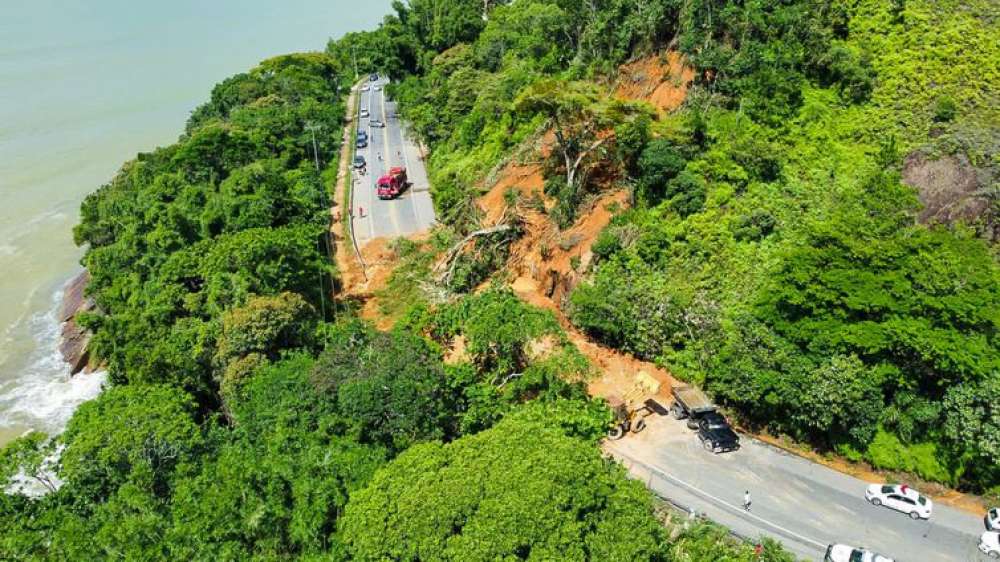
[411, 212]
[804, 505]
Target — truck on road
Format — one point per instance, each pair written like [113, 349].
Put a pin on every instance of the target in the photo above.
[702, 415]
[392, 184]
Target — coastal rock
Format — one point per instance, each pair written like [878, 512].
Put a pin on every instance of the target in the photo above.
[74, 299]
[73, 346]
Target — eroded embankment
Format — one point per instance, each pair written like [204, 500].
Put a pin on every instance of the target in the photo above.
[546, 263]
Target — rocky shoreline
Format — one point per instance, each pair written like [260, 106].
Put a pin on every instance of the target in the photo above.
[73, 345]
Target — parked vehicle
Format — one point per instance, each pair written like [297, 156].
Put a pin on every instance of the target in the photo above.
[901, 498]
[359, 161]
[373, 76]
[844, 553]
[377, 124]
[361, 142]
[992, 519]
[364, 88]
[716, 435]
[691, 404]
[364, 113]
[392, 184]
[701, 414]
[377, 88]
[989, 544]
[362, 135]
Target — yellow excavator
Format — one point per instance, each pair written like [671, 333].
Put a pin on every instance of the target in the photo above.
[631, 407]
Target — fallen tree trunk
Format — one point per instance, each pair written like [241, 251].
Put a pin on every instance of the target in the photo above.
[453, 252]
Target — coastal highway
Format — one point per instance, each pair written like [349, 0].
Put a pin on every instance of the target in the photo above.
[800, 503]
[411, 212]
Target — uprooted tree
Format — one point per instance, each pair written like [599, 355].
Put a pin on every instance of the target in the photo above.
[583, 122]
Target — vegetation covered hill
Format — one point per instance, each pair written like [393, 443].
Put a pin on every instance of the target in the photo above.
[772, 251]
[769, 251]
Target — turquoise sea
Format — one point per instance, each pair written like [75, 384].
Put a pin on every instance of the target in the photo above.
[84, 85]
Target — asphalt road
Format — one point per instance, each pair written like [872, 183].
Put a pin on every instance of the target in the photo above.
[411, 212]
[802, 504]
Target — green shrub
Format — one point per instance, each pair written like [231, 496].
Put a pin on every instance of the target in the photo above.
[887, 452]
[945, 109]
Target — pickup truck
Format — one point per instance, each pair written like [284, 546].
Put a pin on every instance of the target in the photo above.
[702, 415]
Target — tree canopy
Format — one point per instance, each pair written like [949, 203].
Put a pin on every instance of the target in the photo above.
[522, 490]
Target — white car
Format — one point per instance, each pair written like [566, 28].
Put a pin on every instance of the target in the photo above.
[901, 498]
[844, 553]
[992, 519]
[364, 113]
[377, 88]
[364, 88]
[989, 544]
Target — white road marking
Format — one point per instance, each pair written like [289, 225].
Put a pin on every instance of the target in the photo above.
[737, 509]
[393, 209]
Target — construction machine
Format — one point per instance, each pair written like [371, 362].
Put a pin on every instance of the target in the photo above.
[632, 407]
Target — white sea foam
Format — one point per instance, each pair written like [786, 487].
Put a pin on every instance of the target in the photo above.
[42, 395]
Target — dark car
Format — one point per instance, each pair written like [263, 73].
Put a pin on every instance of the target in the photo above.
[362, 135]
[359, 161]
[373, 76]
[716, 435]
[361, 143]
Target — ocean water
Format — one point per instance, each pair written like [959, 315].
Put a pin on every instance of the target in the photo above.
[84, 86]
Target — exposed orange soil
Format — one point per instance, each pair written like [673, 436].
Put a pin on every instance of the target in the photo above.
[456, 353]
[380, 261]
[542, 272]
[662, 80]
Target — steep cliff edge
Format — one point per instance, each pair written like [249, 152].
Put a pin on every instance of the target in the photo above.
[73, 346]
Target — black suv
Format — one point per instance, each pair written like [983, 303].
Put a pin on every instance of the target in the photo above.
[373, 76]
[716, 435]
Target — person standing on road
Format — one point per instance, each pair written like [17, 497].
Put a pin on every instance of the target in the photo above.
[746, 500]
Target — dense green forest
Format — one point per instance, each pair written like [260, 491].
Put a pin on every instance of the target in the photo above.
[772, 254]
